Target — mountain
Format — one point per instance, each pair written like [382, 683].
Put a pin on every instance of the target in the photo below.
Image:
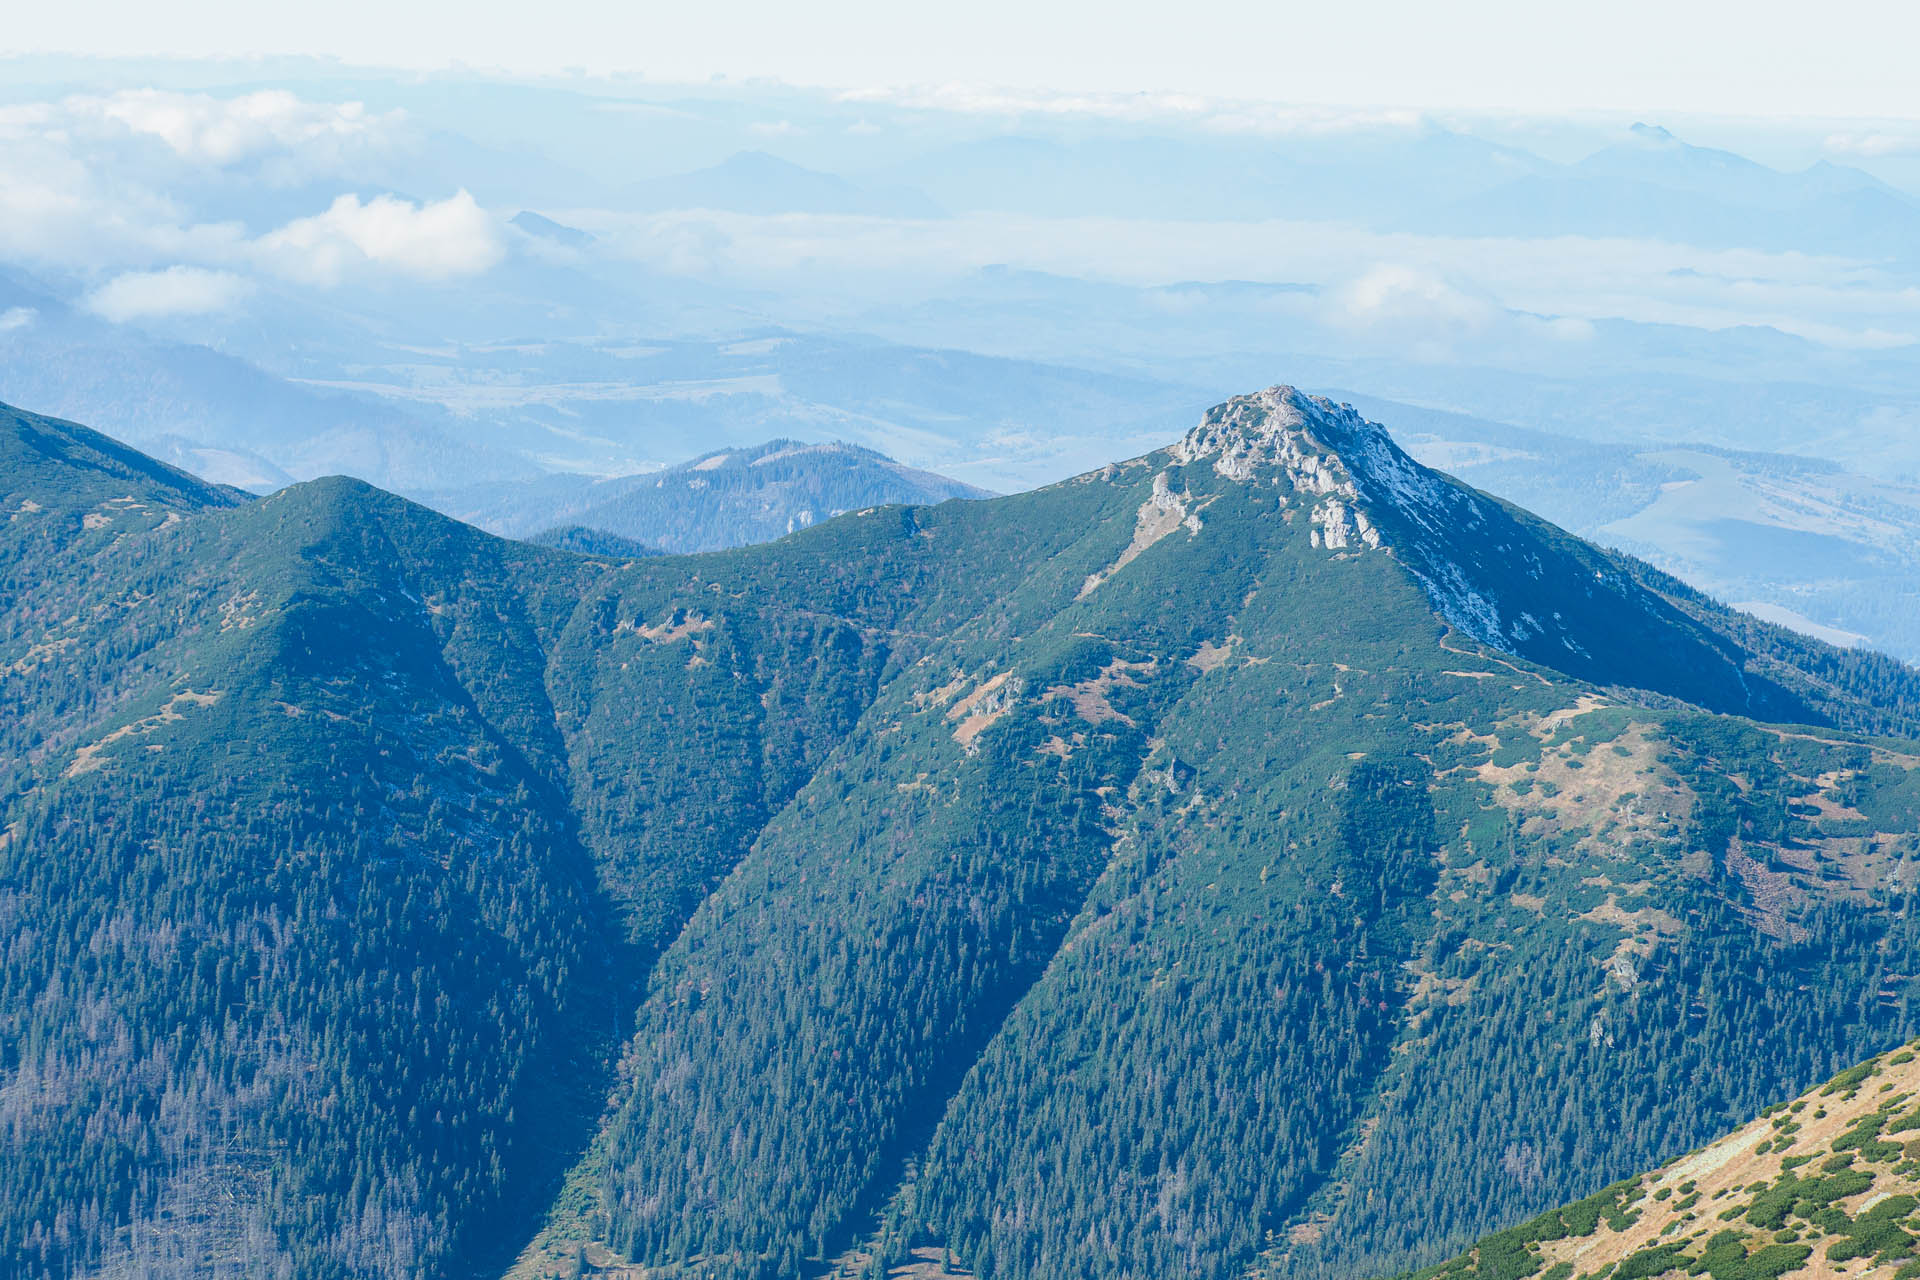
[726, 498]
[221, 416]
[542, 227]
[71, 467]
[1247, 174]
[1826, 1184]
[1263, 854]
[592, 542]
[1654, 185]
[755, 182]
[630, 402]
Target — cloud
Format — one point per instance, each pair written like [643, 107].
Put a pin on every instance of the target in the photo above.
[177, 291]
[80, 201]
[206, 130]
[1423, 315]
[109, 181]
[1391, 294]
[442, 240]
[16, 318]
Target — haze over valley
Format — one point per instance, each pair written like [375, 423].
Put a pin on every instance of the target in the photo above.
[273, 270]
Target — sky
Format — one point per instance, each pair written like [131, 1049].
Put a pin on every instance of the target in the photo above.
[1842, 59]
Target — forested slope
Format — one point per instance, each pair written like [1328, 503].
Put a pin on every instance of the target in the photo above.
[1823, 1185]
[1264, 854]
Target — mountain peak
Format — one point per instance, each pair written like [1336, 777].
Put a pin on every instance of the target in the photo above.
[1339, 462]
[1497, 575]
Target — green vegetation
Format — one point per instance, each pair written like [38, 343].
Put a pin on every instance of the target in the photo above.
[1860, 1204]
[1114, 879]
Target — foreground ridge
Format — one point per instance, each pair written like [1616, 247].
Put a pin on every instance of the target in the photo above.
[1144, 876]
[1826, 1185]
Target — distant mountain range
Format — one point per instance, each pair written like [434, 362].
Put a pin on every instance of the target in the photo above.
[1653, 185]
[1650, 184]
[482, 432]
[1263, 855]
[755, 182]
[467, 413]
[221, 416]
[545, 228]
[728, 498]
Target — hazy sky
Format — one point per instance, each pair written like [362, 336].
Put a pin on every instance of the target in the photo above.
[1839, 58]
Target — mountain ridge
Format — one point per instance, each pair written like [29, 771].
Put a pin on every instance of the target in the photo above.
[961, 822]
[1421, 517]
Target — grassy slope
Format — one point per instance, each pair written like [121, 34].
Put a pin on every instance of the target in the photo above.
[1825, 1185]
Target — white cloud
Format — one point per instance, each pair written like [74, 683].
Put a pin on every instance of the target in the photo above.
[177, 291]
[16, 318]
[76, 199]
[99, 182]
[60, 212]
[1391, 294]
[207, 130]
[1423, 315]
[441, 240]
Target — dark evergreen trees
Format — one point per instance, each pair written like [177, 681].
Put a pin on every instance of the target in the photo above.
[1135, 877]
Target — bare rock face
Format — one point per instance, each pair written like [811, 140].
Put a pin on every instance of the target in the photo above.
[1360, 483]
[1493, 573]
[1271, 434]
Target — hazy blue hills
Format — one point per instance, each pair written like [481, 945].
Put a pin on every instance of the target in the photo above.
[1649, 183]
[727, 498]
[1654, 185]
[218, 415]
[1266, 854]
[757, 183]
[1223, 177]
[1827, 549]
[537, 224]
